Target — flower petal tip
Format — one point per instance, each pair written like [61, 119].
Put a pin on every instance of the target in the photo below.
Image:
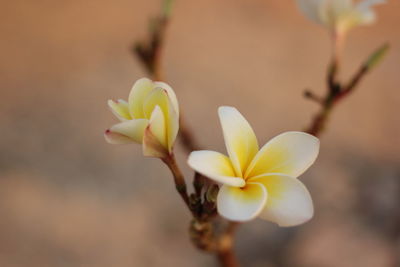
[116, 138]
[223, 109]
[301, 221]
[215, 166]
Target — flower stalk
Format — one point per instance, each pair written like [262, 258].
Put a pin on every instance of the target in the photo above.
[179, 179]
[226, 254]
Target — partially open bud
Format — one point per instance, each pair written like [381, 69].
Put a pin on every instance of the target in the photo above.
[151, 117]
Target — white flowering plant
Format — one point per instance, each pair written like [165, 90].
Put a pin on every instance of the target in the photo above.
[249, 181]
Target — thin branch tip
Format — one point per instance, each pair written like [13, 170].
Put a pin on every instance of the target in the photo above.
[312, 96]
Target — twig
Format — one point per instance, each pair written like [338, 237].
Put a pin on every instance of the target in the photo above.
[204, 237]
[337, 91]
[179, 180]
[226, 254]
[198, 183]
[310, 95]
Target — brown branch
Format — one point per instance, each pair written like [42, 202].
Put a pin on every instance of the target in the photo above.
[150, 52]
[179, 180]
[226, 253]
[310, 95]
[319, 121]
[198, 183]
[204, 237]
[227, 258]
[337, 91]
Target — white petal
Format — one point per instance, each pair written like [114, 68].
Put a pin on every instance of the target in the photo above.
[289, 202]
[365, 12]
[366, 4]
[139, 92]
[241, 204]
[215, 166]
[156, 97]
[338, 7]
[240, 140]
[171, 94]
[117, 138]
[127, 132]
[159, 97]
[120, 109]
[291, 153]
[333, 12]
[155, 135]
[172, 126]
[311, 9]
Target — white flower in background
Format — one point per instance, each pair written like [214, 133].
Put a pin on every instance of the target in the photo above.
[151, 117]
[340, 15]
[259, 182]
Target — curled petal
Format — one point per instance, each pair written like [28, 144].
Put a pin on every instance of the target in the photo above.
[159, 97]
[139, 92]
[171, 94]
[240, 140]
[291, 153]
[289, 202]
[126, 132]
[215, 166]
[172, 126]
[155, 135]
[241, 204]
[120, 109]
[117, 138]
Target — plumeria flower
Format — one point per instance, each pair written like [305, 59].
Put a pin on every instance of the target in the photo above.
[150, 117]
[339, 15]
[259, 182]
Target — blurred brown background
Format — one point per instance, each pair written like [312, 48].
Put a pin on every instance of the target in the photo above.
[67, 198]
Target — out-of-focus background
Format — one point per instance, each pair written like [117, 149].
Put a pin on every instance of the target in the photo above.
[67, 198]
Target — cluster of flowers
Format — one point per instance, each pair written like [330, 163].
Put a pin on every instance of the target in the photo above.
[254, 182]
